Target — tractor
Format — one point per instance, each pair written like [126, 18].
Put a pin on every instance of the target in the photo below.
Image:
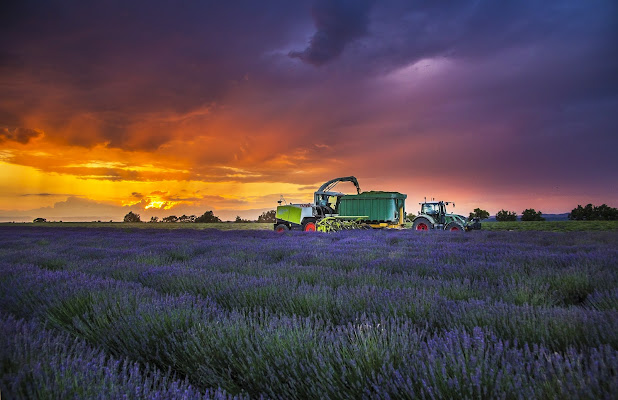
[433, 215]
[306, 217]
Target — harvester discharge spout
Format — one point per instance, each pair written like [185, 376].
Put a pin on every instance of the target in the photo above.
[326, 189]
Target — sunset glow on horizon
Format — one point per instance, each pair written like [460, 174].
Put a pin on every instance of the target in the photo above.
[165, 110]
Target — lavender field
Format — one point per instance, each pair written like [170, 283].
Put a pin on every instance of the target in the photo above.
[169, 314]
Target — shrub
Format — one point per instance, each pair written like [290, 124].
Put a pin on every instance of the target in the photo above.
[503, 215]
[208, 217]
[267, 216]
[132, 217]
[478, 213]
[531, 215]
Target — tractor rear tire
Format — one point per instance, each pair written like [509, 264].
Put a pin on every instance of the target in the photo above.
[422, 224]
[454, 227]
[281, 228]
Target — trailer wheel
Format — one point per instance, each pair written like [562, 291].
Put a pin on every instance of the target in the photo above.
[281, 228]
[421, 224]
[309, 226]
[454, 227]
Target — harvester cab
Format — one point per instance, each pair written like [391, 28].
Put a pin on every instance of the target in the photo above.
[433, 215]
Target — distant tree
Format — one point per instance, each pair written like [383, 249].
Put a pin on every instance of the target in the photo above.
[592, 213]
[240, 220]
[531, 215]
[606, 213]
[478, 213]
[582, 213]
[267, 216]
[171, 218]
[132, 217]
[186, 218]
[504, 215]
[36, 220]
[208, 217]
[154, 219]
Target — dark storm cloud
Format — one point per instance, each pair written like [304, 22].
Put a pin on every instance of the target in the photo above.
[338, 22]
[19, 134]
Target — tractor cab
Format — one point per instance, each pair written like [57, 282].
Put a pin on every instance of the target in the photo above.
[433, 208]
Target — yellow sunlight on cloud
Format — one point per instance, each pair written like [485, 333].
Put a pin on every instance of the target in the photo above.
[21, 187]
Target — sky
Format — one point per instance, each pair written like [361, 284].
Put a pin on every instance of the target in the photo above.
[170, 108]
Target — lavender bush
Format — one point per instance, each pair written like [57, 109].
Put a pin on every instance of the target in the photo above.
[40, 363]
[359, 314]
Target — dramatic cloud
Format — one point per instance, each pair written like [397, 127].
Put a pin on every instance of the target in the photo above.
[338, 22]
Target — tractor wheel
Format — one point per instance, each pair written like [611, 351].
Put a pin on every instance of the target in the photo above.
[309, 226]
[281, 228]
[422, 224]
[454, 227]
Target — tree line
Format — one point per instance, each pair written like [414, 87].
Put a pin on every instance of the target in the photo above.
[207, 217]
[529, 214]
[592, 213]
[587, 213]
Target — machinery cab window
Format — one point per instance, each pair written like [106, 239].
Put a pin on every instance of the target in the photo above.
[430, 208]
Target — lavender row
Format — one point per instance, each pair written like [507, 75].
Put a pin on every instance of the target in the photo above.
[569, 286]
[260, 353]
[556, 327]
[424, 299]
[39, 363]
[561, 270]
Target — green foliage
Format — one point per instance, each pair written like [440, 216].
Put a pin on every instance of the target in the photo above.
[186, 218]
[208, 217]
[594, 213]
[267, 216]
[478, 213]
[239, 220]
[504, 215]
[36, 220]
[132, 217]
[171, 218]
[154, 219]
[531, 215]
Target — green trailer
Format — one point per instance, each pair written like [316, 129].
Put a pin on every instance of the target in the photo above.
[383, 209]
